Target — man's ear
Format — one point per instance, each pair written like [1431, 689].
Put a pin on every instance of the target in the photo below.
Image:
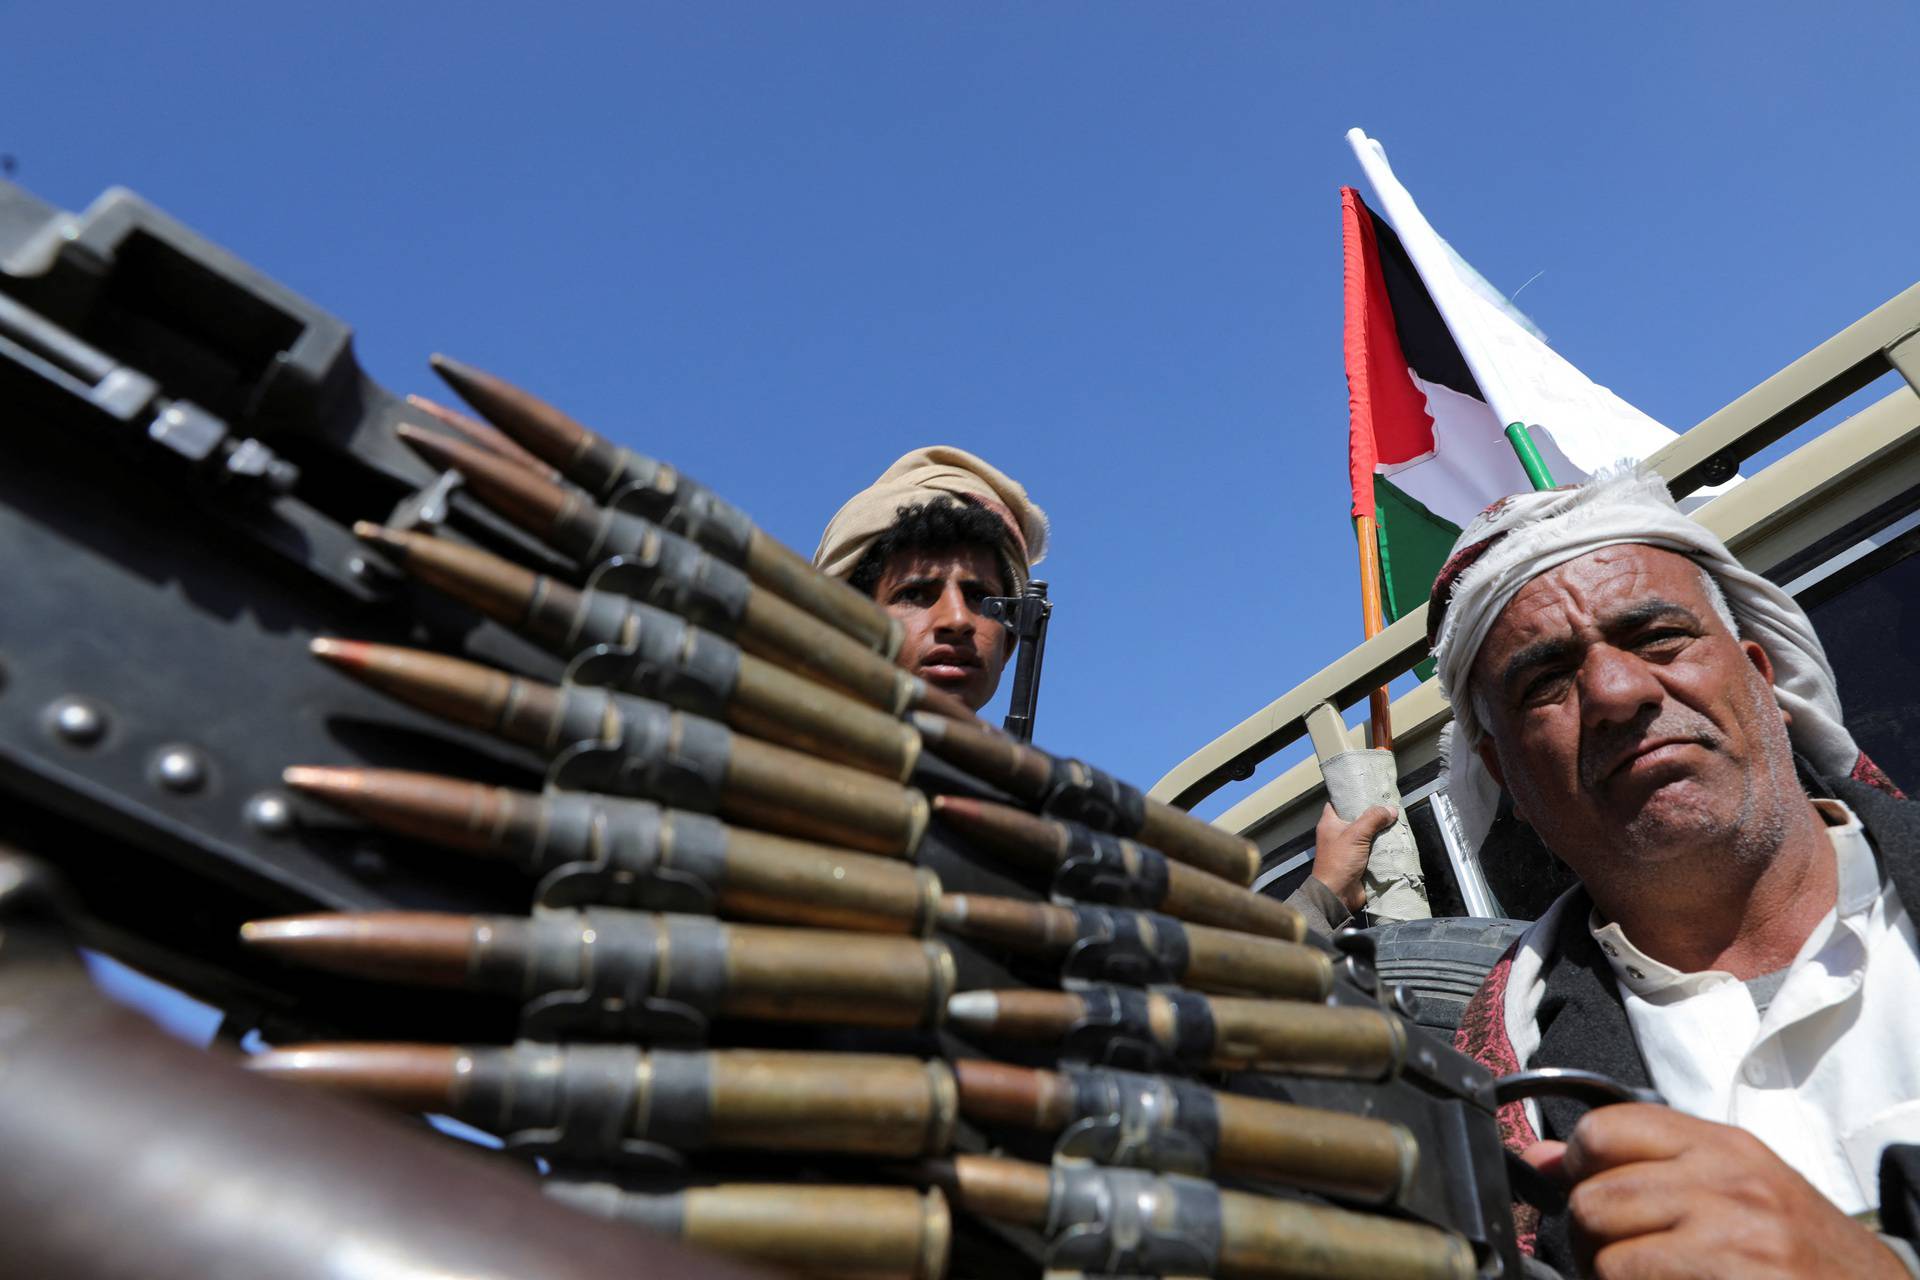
[1757, 657]
[1491, 758]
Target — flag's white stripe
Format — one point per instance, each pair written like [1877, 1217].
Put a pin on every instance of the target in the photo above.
[1471, 464]
[1582, 424]
[1459, 305]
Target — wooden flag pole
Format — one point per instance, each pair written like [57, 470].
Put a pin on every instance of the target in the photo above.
[1379, 714]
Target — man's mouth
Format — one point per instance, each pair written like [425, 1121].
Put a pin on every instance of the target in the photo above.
[948, 666]
[1649, 755]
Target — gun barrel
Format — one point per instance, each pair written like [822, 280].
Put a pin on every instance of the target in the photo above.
[1095, 866]
[817, 1230]
[607, 972]
[619, 1103]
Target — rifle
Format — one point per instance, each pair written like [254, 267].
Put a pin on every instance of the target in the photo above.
[1027, 616]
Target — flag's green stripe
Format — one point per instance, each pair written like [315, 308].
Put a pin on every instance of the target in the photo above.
[1414, 543]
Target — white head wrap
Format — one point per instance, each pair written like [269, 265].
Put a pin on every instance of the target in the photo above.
[939, 470]
[1530, 533]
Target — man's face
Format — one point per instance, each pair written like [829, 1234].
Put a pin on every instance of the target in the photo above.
[950, 644]
[1627, 722]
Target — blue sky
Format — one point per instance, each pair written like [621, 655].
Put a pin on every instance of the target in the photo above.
[779, 243]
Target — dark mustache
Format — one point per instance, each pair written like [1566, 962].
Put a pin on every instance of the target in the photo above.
[1605, 747]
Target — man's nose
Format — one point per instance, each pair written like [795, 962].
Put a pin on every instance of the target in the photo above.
[951, 611]
[1617, 686]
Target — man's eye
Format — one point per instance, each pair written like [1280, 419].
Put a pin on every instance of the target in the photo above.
[1664, 639]
[1545, 687]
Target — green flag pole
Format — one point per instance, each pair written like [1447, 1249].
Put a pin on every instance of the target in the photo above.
[1529, 455]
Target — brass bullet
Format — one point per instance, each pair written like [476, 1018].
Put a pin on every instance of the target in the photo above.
[1258, 1237]
[589, 849]
[1095, 866]
[412, 1077]
[537, 1096]
[672, 660]
[679, 759]
[1078, 792]
[855, 1233]
[554, 514]
[653, 564]
[657, 491]
[1353, 1157]
[605, 972]
[417, 948]
[484, 434]
[481, 697]
[1223, 1032]
[1135, 947]
[545, 609]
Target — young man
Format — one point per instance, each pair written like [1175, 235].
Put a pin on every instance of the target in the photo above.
[1667, 723]
[936, 534]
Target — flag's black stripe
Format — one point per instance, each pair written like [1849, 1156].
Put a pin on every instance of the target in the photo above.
[1429, 348]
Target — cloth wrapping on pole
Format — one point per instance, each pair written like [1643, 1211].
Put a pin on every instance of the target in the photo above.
[1356, 781]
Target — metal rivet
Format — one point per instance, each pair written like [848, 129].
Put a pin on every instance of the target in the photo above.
[179, 769]
[269, 813]
[78, 721]
[357, 566]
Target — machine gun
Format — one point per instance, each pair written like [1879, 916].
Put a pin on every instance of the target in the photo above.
[611, 695]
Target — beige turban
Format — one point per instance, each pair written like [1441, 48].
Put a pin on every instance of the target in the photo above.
[923, 475]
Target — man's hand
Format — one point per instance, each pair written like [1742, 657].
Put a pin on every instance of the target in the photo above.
[1340, 851]
[1658, 1194]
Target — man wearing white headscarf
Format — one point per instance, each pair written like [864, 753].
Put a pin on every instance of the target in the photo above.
[1667, 722]
[940, 531]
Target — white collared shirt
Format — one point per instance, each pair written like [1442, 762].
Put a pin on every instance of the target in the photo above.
[1831, 1073]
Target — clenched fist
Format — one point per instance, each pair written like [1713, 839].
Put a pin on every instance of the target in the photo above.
[1341, 848]
[1658, 1195]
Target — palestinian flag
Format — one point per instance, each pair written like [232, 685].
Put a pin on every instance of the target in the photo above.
[1438, 362]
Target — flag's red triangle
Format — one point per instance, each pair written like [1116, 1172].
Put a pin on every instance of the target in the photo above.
[1387, 414]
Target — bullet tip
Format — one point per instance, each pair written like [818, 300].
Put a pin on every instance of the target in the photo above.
[306, 777]
[341, 653]
[952, 911]
[973, 1010]
[379, 535]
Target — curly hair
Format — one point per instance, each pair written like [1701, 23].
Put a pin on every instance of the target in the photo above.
[928, 526]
